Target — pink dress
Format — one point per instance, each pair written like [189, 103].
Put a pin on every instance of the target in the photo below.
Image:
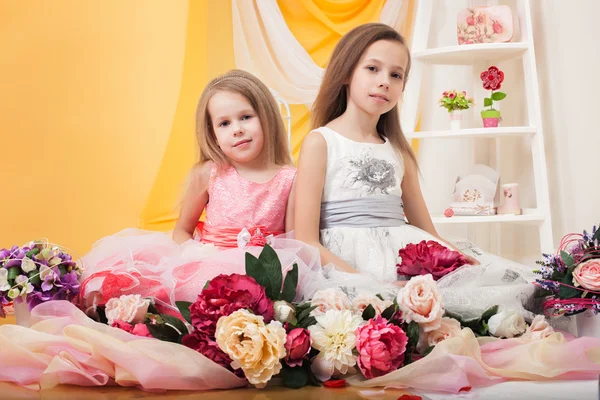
[241, 216]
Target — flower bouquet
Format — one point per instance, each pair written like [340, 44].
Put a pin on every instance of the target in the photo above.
[571, 278]
[251, 325]
[492, 80]
[455, 102]
[35, 273]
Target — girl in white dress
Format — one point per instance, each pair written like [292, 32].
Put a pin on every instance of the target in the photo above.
[358, 195]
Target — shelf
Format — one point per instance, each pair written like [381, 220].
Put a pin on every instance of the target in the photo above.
[474, 133]
[528, 216]
[468, 54]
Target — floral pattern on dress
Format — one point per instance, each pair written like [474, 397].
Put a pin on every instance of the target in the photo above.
[369, 175]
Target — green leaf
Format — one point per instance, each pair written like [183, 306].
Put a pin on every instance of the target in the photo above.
[184, 309]
[312, 379]
[272, 266]
[567, 259]
[483, 328]
[380, 297]
[206, 285]
[454, 316]
[566, 292]
[389, 312]
[472, 323]
[294, 378]
[413, 333]
[305, 313]
[487, 102]
[310, 321]
[428, 350]
[596, 235]
[368, 313]
[32, 252]
[152, 309]
[255, 269]
[489, 313]
[163, 332]
[34, 277]
[176, 322]
[13, 272]
[289, 285]
[497, 96]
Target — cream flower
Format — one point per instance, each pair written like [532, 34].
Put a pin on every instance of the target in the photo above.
[130, 308]
[449, 328]
[334, 336]
[254, 347]
[284, 312]
[362, 300]
[4, 279]
[329, 299]
[507, 324]
[421, 302]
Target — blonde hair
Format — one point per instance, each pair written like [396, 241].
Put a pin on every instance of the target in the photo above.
[331, 101]
[258, 94]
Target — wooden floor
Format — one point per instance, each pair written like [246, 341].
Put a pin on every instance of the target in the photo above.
[10, 391]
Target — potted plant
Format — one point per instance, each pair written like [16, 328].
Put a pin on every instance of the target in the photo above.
[492, 80]
[455, 102]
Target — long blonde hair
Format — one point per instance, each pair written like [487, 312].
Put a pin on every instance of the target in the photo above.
[244, 83]
[331, 101]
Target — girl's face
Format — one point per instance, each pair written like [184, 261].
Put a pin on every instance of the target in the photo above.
[237, 127]
[378, 79]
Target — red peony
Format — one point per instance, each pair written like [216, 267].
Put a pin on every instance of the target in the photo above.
[226, 294]
[429, 257]
[380, 346]
[492, 78]
[204, 343]
[297, 346]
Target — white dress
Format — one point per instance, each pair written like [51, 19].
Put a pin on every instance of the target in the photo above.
[362, 223]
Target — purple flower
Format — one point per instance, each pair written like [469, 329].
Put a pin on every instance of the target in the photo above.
[49, 280]
[35, 298]
[68, 286]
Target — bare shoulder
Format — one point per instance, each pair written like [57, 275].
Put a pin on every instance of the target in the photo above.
[314, 141]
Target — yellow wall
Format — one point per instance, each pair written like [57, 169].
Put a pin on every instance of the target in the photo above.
[88, 92]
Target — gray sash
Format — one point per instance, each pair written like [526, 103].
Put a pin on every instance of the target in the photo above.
[363, 212]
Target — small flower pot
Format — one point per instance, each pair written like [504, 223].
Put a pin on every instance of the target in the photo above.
[455, 119]
[490, 118]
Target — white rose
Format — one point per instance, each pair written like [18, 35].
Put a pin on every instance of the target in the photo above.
[507, 324]
[130, 308]
[284, 312]
[449, 328]
[420, 301]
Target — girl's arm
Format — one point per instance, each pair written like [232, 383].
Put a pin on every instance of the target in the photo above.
[415, 208]
[310, 181]
[195, 200]
[289, 212]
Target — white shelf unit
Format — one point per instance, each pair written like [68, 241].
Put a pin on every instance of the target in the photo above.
[477, 55]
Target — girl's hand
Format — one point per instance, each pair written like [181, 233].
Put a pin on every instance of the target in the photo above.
[470, 260]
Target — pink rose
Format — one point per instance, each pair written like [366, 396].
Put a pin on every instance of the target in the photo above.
[538, 329]
[421, 302]
[329, 299]
[205, 344]
[226, 294]
[587, 274]
[131, 308]
[380, 346]
[470, 20]
[449, 328]
[141, 330]
[297, 346]
[124, 326]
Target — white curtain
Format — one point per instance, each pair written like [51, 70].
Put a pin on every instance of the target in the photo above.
[264, 46]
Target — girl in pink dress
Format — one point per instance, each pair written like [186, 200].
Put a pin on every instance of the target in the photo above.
[243, 182]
